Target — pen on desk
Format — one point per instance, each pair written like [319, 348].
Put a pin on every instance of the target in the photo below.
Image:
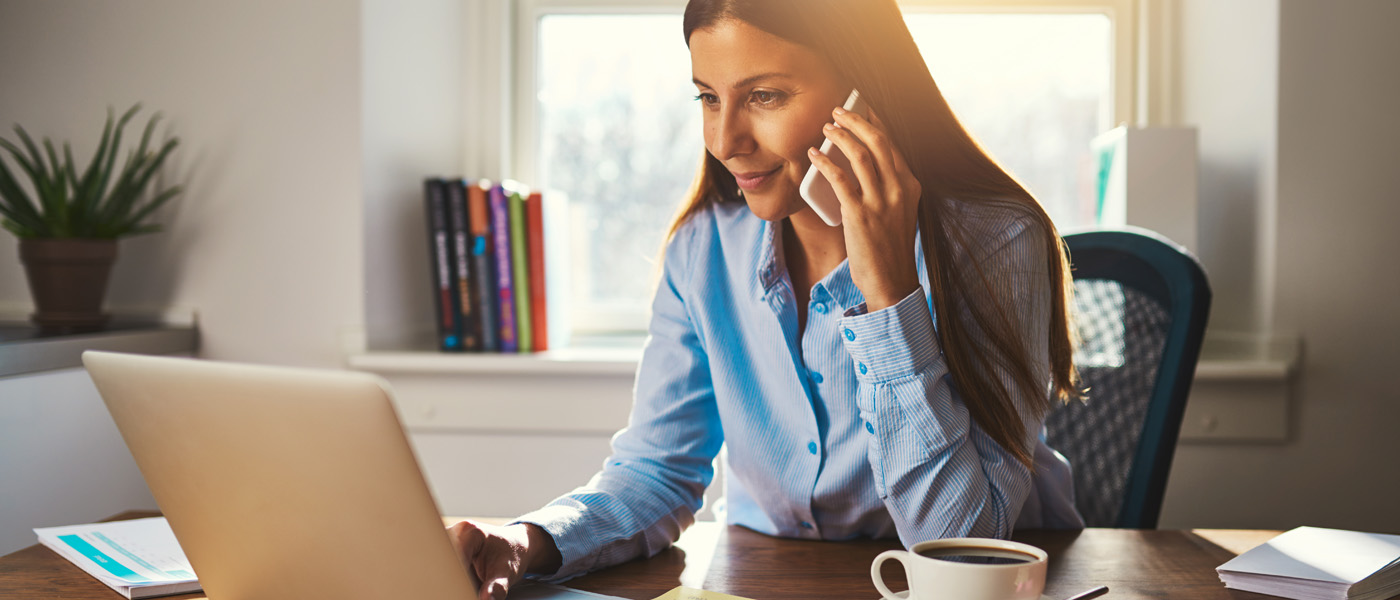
[1088, 595]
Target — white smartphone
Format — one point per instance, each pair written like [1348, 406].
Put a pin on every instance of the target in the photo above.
[815, 189]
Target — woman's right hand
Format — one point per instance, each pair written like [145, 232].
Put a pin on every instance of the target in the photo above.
[500, 555]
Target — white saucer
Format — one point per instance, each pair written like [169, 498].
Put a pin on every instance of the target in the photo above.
[905, 594]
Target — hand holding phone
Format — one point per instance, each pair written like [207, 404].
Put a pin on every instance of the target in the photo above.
[815, 188]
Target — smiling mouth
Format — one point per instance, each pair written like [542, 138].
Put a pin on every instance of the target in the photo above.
[753, 180]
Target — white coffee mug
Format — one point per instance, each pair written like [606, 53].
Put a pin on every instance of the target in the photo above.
[967, 569]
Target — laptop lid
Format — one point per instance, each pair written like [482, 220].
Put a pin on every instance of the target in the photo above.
[282, 483]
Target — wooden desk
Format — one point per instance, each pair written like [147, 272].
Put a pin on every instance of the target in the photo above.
[733, 560]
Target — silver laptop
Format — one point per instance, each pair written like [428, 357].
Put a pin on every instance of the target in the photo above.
[282, 483]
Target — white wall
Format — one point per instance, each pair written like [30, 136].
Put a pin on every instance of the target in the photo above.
[1334, 281]
[265, 96]
[413, 109]
[266, 244]
[62, 461]
[1227, 86]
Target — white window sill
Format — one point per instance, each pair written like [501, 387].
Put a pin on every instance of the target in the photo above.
[1248, 357]
[1240, 393]
[1224, 358]
[571, 361]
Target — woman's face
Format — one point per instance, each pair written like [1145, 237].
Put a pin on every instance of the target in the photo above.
[765, 100]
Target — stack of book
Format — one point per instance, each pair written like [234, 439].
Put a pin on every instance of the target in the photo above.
[1312, 563]
[486, 241]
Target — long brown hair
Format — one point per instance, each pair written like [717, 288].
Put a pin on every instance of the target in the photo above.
[867, 43]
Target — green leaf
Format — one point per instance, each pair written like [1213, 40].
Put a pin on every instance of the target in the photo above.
[16, 203]
[77, 219]
[23, 161]
[144, 171]
[87, 193]
[127, 190]
[58, 199]
[34, 154]
[89, 200]
[18, 230]
[44, 186]
[134, 223]
[146, 135]
[14, 195]
[112, 151]
[12, 217]
[124, 191]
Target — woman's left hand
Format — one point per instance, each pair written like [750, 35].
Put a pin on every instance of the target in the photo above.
[879, 208]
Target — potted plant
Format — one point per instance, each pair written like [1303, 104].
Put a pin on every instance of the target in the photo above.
[68, 228]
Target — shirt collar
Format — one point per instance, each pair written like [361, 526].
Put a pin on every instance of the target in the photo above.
[843, 290]
[770, 267]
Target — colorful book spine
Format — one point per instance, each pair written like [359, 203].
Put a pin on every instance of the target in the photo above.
[483, 266]
[505, 287]
[520, 263]
[534, 225]
[461, 262]
[449, 327]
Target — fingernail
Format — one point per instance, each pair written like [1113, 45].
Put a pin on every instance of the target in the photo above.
[840, 111]
[813, 151]
[828, 127]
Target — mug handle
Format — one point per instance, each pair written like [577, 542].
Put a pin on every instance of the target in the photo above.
[898, 555]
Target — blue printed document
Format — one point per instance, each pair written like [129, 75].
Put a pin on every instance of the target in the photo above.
[139, 558]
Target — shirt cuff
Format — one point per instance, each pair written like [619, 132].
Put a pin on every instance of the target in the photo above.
[559, 520]
[893, 342]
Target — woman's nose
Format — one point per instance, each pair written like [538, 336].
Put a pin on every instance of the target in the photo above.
[730, 135]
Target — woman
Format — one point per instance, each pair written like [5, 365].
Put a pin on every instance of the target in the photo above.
[886, 377]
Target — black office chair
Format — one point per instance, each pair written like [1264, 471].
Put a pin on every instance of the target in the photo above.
[1141, 305]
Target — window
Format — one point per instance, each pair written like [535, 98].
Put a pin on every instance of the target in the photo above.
[617, 131]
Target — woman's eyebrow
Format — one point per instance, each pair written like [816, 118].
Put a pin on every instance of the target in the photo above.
[748, 80]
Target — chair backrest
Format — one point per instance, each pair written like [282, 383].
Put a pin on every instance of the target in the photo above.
[1141, 307]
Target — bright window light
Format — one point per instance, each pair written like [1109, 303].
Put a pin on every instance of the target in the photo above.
[618, 130]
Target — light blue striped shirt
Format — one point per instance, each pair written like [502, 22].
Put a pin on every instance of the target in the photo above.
[851, 429]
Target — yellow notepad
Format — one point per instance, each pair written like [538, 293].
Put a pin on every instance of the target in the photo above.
[685, 593]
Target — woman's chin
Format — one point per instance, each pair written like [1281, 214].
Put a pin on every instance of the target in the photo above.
[774, 207]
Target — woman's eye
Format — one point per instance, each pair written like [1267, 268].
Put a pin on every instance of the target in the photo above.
[765, 97]
[707, 99]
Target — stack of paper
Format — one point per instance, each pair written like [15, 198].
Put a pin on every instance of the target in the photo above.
[1310, 563]
[138, 558]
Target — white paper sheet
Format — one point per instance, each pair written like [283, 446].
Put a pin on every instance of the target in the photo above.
[1313, 553]
[139, 552]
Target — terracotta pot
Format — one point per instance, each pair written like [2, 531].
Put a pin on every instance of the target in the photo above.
[68, 280]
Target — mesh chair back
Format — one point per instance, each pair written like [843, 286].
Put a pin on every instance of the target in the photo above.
[1141, 306]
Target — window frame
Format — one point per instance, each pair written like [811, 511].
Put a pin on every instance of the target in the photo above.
[516, 67]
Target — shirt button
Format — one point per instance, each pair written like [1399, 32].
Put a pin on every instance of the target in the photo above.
[812, 447]
[870, 428]
[819, 308]
[805, 525]
[850, 336]
[816, 377]
[862, 368]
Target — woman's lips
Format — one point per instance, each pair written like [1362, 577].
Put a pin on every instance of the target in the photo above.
[754, 179]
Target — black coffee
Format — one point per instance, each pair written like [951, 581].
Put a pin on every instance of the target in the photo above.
[978, 555]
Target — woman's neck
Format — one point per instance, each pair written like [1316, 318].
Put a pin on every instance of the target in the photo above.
[811, 248]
